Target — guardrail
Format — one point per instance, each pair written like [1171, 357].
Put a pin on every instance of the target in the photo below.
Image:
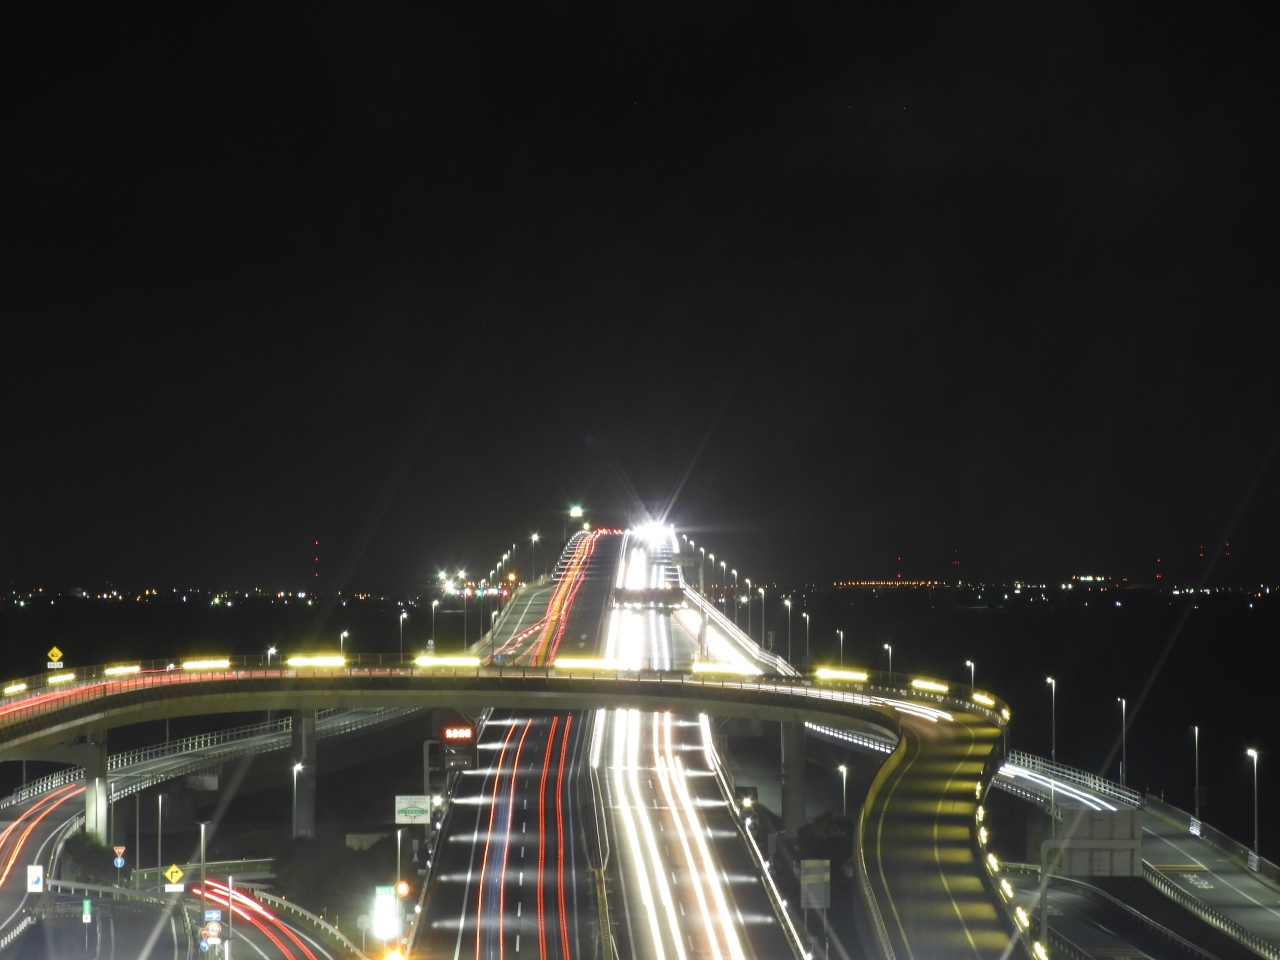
[1242, 854]
[14, 932]
[279, 731]
[752, 649]
[1099, 785]
[281, 904]
[212, 867]
[869, 898]
[1209, 915]
[23, 713]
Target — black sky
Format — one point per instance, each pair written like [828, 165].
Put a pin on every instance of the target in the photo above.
[994, 278]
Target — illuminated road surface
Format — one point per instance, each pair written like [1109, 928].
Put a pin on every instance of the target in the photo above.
[917, 844]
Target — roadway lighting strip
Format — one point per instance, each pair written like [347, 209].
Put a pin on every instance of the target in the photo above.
[880, 746]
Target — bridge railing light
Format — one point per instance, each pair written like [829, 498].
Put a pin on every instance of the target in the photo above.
[433, 661]
[205, 664]
[13, 688]
[325, 660]
[60, 678]
[117, 671]
[828, 673]
[933, 686]
[983, 699]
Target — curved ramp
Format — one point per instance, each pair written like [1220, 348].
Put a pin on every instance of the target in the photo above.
[919, 848]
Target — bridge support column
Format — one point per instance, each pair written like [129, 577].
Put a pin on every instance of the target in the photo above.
[94, 755]
[792, 778]
[303, 755]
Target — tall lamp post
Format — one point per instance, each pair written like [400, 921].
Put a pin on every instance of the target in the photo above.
[844, 790]
[889, 647]
[840, 633]
[969, 664]
[787, 603]
[1053, 718]
[1197, 741]
[735, 597]
[271, 652]
[533, 558]
[1253, 755]
[762, 633]
[807, 658]
[403, 616]
[1124, 756]
[297, 769]
[434, 604]
[342, 641]
[747, 581]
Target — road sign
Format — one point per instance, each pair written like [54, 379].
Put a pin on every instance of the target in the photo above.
[413, 809]
[363, 921]
[212, 930]
[204, 946]
[86, 911]
[211, 915]
[35, 878]
[815, 884]
[431, 645]
[173, 887]
[173, 874]
[55, 654]
[119, 851]
[118, 862]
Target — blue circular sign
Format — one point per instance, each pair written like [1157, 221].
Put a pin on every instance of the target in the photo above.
[119, 862]
[204, 946]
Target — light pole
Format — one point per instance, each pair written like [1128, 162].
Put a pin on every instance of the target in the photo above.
[1124, 757]
[434, 604]
[204, 901]
[159, 837]
[969, 664]
[735, 596]
[1197, 735]
[840, 633]
[297, 769]
[889, 647]
[403, 616]
[342, 641]
[762, 633]
[271, 652]
[1253, 754]
[747, 581]
[844, 790]
[787, 603]
[806, 637]
[533, 558]
[1053, 718]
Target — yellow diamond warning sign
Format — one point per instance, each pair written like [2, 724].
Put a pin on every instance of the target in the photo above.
[173, 874]
[55, 657]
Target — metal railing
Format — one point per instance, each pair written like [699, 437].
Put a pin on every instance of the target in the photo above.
[17, 930]
[1099, 785]
[329, 722]
[211, 867]
[869, 898]
[771, 661]
[1235, 931]
[328, 929]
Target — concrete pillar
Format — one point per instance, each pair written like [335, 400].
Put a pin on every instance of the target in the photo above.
[792, 778]
[303, 754]
[94, 755]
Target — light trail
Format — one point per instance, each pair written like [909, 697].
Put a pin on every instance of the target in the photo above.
[542, 836]
[488, 840]
[49, 807]
[248, 918]
[560, 839]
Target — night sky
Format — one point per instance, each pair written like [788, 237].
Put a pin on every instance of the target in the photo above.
[836, 285]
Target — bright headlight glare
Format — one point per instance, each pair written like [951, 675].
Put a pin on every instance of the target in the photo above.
[116, 671]
[933, 686]
[206, 664]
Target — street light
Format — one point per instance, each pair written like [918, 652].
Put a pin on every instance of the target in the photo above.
[342, 641]
[747, 581]
[806, 637]
[969, 664]
[403, 616]
[1253, 754]
[841, 635]
[1197, 732]
[434, 604]
[1053, 718]
[1124, 764]
[271, 652]
[762, 634]
[203, 885]
[844, 790]
[533, 555]
[297, 769]
[787, 603]
[735, 596]
[889, 647]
